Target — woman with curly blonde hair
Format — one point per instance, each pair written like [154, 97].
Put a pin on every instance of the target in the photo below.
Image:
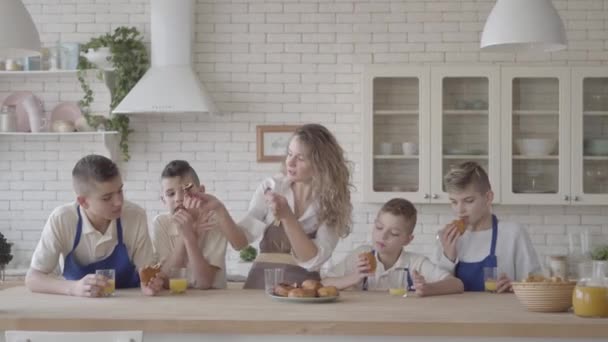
[300, 213]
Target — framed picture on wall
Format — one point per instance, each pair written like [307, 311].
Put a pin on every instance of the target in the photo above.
[272, 141]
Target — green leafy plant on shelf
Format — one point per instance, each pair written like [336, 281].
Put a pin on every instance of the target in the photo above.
[130, 60]
[600, 253]
[248, 253]
[5, 254]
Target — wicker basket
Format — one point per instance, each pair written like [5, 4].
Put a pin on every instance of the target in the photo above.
[545, 296]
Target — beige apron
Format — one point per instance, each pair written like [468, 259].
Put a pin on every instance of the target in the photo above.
[275, 252]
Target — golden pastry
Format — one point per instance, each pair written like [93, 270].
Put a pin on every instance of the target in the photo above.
[302, 293]
[148, 273]
[328, 291]
[371, 260]
[282, 290]
[460, 225]
[311, 284]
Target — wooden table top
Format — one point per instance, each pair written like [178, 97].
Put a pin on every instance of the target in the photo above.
[252, 312]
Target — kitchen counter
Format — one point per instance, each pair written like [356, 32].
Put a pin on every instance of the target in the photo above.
[251, 312]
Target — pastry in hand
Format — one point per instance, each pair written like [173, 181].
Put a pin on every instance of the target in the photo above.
[311, 284]
[302, 293]
[148, 273]
[328, 291]
[282, 289]
[371, 260]
[460, 225]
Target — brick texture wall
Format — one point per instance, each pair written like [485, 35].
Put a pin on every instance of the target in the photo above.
[272, 62]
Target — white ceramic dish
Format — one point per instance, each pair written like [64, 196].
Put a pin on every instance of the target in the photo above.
[312, 300]
[536, 146]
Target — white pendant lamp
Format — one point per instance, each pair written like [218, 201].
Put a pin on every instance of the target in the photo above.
[523, 26]
[18, 34]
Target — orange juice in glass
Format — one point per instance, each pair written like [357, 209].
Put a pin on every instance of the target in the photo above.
[110, 287]
[178, 282]
[397, 281]
[490, 276]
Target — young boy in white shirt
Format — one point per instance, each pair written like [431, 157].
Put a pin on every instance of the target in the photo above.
[486, 242]
[392, 232]
[186, 237]
[99, 231]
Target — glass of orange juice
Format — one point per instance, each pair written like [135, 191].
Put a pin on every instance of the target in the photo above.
[490, 277]
[178, 281]
[110, 276]
[397, 281]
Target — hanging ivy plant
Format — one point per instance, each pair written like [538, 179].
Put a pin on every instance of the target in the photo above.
[130, 60]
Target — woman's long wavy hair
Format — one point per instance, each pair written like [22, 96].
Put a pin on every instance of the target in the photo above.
[331, 177]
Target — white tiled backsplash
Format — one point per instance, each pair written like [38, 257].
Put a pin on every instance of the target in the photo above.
[273, 62]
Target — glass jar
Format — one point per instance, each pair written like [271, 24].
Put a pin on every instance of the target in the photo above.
[8, 119]
[590, 296]
[558, 266]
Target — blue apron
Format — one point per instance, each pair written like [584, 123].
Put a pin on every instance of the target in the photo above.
[410, 283]
[125, 272]
[471, 273]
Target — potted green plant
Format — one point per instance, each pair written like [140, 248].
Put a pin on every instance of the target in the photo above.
[600, 253]
[129, 60]
[5, 255]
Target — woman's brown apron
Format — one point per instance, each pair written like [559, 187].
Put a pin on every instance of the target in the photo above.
[275, 252]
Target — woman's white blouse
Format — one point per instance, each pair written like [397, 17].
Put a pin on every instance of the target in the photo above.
[259, 217]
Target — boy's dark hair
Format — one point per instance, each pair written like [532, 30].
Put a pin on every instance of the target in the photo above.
[404, 208]
[467, 173]
[180, 168]
[92, 168]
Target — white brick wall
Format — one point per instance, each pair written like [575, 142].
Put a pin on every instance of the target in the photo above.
[284, 61]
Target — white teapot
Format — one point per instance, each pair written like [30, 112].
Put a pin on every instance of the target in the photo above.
[100, 57]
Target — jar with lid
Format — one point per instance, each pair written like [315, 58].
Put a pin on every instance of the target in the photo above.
[8, 119]
[590, 296]
[558, 266]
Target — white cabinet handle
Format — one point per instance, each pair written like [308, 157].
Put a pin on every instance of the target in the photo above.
[435, 196]
[426, 196]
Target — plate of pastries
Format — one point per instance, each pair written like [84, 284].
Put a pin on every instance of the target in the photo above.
[310, 291]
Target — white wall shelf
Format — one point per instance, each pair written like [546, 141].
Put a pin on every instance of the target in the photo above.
[60, 133]
[523, 157]
[39, 73]
[110, 139]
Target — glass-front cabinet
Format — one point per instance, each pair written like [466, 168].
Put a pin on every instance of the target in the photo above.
[589, 135]
[396, 144]
[535, 135]
[464, 123]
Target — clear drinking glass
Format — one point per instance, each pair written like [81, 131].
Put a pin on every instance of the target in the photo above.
[110, 276]
[178, 281]
[272, 277]
[490, 277]
[397, 281]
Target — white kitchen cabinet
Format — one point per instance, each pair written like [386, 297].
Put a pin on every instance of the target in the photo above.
[450, 113]
[536, 135]
[589, 148]
[465, 123]
[397, 115]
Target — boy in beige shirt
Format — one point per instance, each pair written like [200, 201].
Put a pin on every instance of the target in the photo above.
[186, 237]
[100, 231]
[392, 232]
